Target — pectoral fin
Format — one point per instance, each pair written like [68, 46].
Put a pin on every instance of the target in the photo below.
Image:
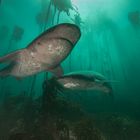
[9, 57]
[57, 71]
[6, 70]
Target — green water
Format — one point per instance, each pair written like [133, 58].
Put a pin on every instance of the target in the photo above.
[109, 44]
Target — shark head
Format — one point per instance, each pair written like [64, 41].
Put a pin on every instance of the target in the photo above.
[68, 31]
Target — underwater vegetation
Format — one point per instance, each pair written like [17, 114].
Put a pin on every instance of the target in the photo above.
[51, 11]
[61, 119]
[50, 116]
[50, 14]
[17, 33]
[77, 20]
[34, 120]
[60, 6]
[85, 130]
[16, 36]
[134, 18]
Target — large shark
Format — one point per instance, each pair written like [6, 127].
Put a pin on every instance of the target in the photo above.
[45, 53]
[82, 81]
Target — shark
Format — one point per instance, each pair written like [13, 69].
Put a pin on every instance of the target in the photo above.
[83, 81]
[45, 53]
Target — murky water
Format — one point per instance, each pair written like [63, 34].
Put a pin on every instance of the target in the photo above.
[109, 45]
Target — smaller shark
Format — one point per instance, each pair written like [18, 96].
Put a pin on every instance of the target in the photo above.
[83, 81]
[45, 53]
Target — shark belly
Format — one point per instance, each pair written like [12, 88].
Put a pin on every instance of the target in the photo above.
[26, 69]
[27, 65]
